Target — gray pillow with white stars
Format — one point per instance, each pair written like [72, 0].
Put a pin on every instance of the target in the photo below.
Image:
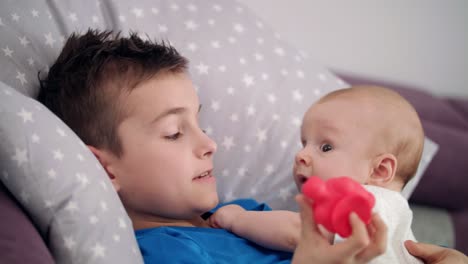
[254, 86]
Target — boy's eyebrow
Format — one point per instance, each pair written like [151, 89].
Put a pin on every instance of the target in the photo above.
[172, 111]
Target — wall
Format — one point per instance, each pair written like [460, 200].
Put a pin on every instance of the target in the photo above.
[421, 43]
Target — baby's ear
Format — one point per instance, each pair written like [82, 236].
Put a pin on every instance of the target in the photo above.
[107, 162]
[384, 169]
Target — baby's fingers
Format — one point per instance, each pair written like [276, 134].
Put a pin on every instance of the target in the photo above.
[308, 225]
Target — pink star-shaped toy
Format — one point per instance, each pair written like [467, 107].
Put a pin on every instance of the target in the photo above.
[335, 199]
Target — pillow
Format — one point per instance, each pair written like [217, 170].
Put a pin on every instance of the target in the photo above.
[61, 185]
[254, 87]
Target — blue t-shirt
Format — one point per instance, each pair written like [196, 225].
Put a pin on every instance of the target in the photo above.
[205, 245]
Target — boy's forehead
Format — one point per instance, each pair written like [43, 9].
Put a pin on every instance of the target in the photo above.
[163, 92]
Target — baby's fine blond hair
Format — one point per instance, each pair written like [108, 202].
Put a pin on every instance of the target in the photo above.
[400, 131]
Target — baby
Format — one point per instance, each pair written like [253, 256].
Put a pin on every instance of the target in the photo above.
[373, 135]
[368, 133]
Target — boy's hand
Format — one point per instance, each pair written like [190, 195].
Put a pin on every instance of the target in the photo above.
[363, 245]
[433, 254]
[225, 216]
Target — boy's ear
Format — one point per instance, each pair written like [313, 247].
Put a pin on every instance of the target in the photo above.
[107, 161]
[384, 169]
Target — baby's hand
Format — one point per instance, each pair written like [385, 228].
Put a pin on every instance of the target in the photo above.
[225, 216]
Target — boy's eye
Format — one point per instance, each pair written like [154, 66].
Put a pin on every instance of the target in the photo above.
[173, 136]
[326, 147]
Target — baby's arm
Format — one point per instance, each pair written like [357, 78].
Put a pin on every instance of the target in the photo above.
[279, 230]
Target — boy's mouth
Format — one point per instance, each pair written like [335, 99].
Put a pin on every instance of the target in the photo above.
[205, 175]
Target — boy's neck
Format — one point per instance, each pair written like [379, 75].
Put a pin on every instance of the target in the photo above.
[160, 222]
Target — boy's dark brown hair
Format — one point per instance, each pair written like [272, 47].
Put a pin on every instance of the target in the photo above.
[93, 73]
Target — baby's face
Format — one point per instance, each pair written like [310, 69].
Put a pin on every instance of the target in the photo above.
[165, 170]
[337, 138]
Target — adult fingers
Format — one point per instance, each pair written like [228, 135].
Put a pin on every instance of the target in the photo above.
[378, 243]
[307, 216]
[358, 240]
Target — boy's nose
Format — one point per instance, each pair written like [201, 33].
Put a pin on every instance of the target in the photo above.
[208, 146]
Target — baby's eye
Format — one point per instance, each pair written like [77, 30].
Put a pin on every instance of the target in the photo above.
[326, 147]
[173, 136]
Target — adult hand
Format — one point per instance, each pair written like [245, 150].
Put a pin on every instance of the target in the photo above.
[363, 245]
[432, 254]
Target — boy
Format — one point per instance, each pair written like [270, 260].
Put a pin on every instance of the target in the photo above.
[132, 103]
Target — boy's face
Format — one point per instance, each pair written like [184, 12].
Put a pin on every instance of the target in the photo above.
[166, 165]
[337, 139]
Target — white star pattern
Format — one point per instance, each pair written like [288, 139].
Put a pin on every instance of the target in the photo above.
[285, 193]
[229, 196]
[15, 17]
[222, 68]
[234, 118]
[248, 80]
[1, 22]
[261, 135]
[154, 10]
[215, 106]
[35, 138]
[239, 28]
[300, 74]
[69, 242]
[48, 204]
[260, 41]
[202, 68]
[265, 76]
[297, 96]
[27, 116]
[58, 155]
[21, 77]
[192, 8]
[284, 144]
[35, 13]
[284, 72]
[296, 121]
[83, 179]
[24, 41]
[104, 206]
[174, 7]
[73, 17]
[271, 98]
[21, 156]
[162, 28]
[279, 51]
[93, 219]
[71, 206]
[192, 46]
[322, 77]
[242, 61]
[31, 61]
[52, 174]
[138, 12]
[251, 110]
[217, 8]
[231, 90]
[122, 18]
[269, 169]
[241, 171]
[80, 157]
[116, 237]
[95, 19]
[49, 39]
[225, 173]
[228, 143]
[215, 44]
[211, 22]
[60, 132]
[258, 57]
[209, 130]
[247, 148]
[99, 251]
[190, 25]
[7, 51]
[122, 223]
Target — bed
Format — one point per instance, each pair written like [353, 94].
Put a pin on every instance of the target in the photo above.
[56, 199]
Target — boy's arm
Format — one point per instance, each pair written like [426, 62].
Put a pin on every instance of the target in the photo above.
[278, 230]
